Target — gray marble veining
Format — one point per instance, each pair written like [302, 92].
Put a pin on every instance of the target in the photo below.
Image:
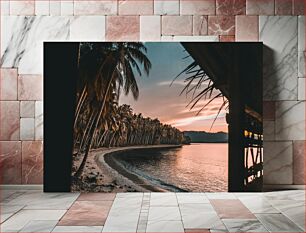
[301, 46]
[39, 226]
[278, 223]
[258, 205]
[278, 162]
[279, 35]
[23, 217]
[8, 210]
[74, 229]
[39, 200]
[290, 120]
[238, 225]
[22, 40]
[294, 210]
[293, 195]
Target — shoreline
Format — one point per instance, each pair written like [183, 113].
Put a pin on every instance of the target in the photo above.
[123, 177]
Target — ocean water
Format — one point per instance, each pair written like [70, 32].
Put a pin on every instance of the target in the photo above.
[199, 167]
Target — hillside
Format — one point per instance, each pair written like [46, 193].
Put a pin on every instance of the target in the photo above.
[202, 136]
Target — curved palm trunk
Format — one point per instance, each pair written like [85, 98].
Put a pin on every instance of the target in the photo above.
[79, 105]
[112, 139]
[101, 138]
[92, 131]
[88, 126]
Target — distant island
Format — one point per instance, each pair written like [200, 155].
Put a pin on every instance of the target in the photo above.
[202, 137]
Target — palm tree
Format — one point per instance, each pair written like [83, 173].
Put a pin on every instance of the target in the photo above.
[105, 68]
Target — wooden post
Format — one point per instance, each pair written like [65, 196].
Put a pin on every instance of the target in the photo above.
[236, 129]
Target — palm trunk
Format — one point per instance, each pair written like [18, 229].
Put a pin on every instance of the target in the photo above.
[92, 132]
[101, 138]
[88, 126]
[104, 139]
[79, 105]
[112, 139]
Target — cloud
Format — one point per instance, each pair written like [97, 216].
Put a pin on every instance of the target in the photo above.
[195, 119]
[169, 82]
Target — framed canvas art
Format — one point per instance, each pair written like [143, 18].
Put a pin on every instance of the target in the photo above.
[153, 116]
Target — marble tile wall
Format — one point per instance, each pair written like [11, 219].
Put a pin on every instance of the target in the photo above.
[26, 24]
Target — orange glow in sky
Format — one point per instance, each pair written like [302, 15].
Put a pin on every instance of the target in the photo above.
[165, 103]
[159, 99]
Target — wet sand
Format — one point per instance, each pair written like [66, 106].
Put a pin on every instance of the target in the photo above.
[103, 174]
[107, 162]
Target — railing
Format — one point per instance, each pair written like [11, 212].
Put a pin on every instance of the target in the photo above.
[253, 152]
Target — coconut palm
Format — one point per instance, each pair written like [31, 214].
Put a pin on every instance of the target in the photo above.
[104, 69]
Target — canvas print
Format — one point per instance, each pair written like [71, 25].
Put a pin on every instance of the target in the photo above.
[156, 117]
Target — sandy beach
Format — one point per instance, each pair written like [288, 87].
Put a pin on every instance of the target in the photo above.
[104, 174]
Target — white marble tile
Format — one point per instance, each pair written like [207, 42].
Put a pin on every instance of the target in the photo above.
[42, 7]
[4, 194]
[87, 28]
[201, 221]
[126, 201]
[130, 195]
[39, 226]
[301, 46]
[166, 7]
[55, 7]
[122, 219]
[294, 210]
[258, 205]
[74, 229]
[23, 217]
[38, 200]
[240, 225]
[278, 163]
[150, 28]
[279, 35]
[196, 38]
[164, 213]
[27, 109]
[220, 195]
[277, 223]
[5, 7]
[191, 198]
[219, 230]
[188, 209]
[248, 194]
[5, 198]
[286, 205]
[8, 210]
[124, 214]
[22, 40]
[293, 195]
[218, 227]
[269, 130]
[66, 7]
[205, 217]
[165, 226]
[163, 199]
[106, 7]
[39, 120]
[27, 129]
[301, 89]
[290, 120]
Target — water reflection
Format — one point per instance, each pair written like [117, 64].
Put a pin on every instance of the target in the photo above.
[196, 168]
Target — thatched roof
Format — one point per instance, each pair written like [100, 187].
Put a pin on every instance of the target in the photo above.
[223, 60]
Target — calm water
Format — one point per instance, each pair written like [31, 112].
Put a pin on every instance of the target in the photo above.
[194, 168]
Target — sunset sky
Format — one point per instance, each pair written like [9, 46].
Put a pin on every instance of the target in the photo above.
[157, 99]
